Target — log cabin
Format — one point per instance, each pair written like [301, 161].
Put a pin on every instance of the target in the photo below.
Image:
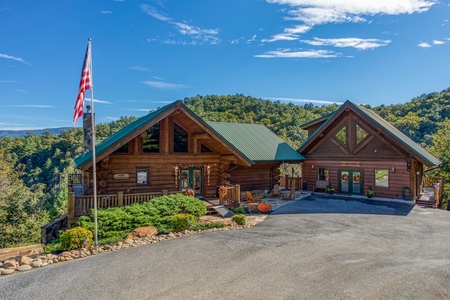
[354, 150]
[173, 149]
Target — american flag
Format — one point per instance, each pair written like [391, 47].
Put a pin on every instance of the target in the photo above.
[85, 84]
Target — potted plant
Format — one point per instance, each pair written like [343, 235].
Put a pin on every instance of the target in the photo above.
[370, 192]
[330, 189]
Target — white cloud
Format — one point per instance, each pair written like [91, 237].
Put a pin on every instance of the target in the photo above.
[199, 35]
[151, 11]
[138, 68]
[105, 12]
[311, 13]
[14, 58]
[112, 118]
[302, 100]
[253, 39]
[141, 109]
[436, 42]
[361, 44]
[165, 85]
[97, 101]
[424, 45]
[287, 53]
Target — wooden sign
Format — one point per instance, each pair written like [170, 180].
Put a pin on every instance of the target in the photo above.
[350, 163]
[121, 176]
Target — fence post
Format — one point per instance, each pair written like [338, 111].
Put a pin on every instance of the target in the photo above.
[238, 193]
[120, 199]
[70, 209]
[164, 192]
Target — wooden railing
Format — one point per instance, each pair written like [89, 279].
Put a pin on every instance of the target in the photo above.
[287, 182]
[82, 205]
[233, 195]
[438, 186]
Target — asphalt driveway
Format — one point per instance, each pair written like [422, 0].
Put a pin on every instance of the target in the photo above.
[314, 248]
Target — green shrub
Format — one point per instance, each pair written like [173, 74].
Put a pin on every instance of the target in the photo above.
[182, 222]
[55, 245]
[76, 237]
[205, 226]
[117, 222]
[240, 219]
[240, 210]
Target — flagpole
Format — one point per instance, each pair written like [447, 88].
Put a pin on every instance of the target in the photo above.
[94, 164]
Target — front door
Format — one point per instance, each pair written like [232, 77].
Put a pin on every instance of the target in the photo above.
[350, 182]
[191, 179]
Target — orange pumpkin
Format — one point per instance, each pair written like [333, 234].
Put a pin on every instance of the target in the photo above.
[264, 207]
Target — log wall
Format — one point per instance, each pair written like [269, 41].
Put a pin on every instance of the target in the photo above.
[399, 176]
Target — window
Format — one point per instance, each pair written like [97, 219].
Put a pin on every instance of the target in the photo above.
[360, 134]
[122, 150]
[180, 139]
[150, 143]
[341, 135]
[382, 178]
[323, 174]
[204, 148]
[141, 176]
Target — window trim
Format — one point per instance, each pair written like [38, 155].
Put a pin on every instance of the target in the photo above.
[142, 171]
[376, 180]
[327, 173]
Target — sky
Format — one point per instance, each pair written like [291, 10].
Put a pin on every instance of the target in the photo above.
[146, 54]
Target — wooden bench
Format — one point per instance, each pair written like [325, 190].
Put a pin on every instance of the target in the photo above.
[321, 185]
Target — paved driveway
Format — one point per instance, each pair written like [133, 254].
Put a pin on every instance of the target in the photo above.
[313, 248]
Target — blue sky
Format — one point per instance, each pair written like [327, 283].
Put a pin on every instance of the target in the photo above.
[146, 54]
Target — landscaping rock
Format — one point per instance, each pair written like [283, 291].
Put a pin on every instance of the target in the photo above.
[8, 271]
[36, 264]
[129, 241]
[10, 264]
[25, 260]
[24, 268]
[171, 235]
[141, 232]
[66, 254]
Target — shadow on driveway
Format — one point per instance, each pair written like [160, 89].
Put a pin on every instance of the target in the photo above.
[342, 205]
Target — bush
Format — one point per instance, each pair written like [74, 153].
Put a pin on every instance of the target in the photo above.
[240, 210]
[205, 226]
[182, 222]
[76, 237]
[240, 219]
[117, 222]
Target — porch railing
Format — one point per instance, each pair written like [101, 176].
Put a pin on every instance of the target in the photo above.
[83, 204]
[233, 195]
[287, 182]
[438, 187]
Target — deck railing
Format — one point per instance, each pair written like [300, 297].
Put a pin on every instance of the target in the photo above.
[438, 186]
[82, 205]
[287, 182]
[233, 195]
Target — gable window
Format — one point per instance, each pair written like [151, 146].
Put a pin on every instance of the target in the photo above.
[150, 143]
[204, 148]
[122, 150]
[360, 134]
[323, 174]
[382, 178]
[341, 135]
[180, 139]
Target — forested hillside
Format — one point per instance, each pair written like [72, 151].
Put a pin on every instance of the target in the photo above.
[34, 168]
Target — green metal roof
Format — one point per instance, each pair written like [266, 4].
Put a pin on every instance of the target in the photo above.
[256, 142]
[388, 127]
[119, 135]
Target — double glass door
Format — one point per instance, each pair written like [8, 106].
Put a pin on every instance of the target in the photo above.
[191, 179]
[350, 182]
